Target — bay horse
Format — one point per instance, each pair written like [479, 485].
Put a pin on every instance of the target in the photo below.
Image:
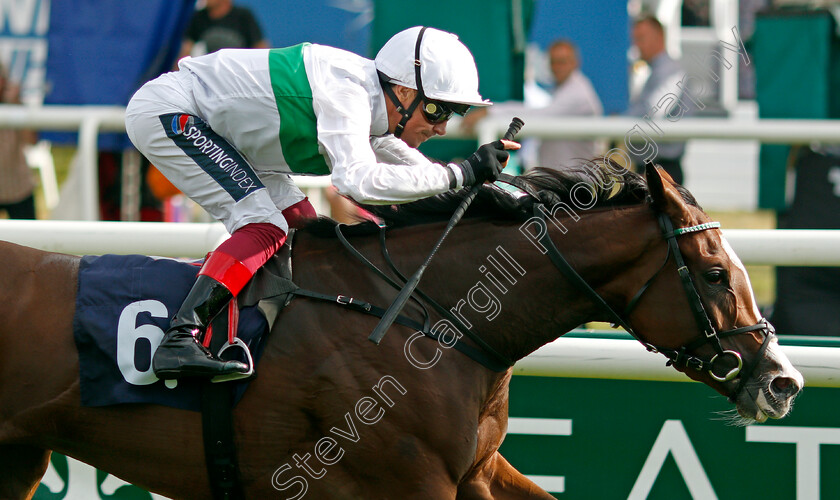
[330, 415]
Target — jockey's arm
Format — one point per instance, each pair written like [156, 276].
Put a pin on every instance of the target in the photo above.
[392, 172]
[367, 164]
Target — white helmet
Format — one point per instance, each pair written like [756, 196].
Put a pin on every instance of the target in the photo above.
[443, 65]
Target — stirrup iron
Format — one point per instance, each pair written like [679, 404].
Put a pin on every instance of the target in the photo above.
[237, 342]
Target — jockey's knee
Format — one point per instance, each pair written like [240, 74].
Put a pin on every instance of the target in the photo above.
[300, 213]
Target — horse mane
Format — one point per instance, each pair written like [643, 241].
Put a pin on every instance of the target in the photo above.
[610, 184]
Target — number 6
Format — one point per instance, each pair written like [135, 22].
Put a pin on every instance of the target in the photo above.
[128, 333]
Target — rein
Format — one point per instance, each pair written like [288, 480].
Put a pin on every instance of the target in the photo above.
[410, 285]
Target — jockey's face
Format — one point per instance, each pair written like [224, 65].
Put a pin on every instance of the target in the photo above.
[417, 129]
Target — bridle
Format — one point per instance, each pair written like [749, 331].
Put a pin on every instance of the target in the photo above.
[679, 358]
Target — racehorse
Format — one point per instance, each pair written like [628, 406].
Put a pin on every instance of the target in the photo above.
[331, 415]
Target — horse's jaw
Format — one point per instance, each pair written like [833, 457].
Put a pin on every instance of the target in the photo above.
[771, 395]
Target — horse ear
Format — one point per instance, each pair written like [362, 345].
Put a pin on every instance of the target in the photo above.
[661, 187]
[655, 187]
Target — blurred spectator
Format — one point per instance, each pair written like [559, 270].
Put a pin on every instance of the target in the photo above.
[112, 189]
[665, 73]
[222, 25]
[747, 10]
[573, 95]
[695, 13]
[16, 183]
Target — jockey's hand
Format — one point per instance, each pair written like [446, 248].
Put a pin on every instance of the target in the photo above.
[487, 162]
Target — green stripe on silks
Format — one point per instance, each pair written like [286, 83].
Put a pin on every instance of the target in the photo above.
[298, 130]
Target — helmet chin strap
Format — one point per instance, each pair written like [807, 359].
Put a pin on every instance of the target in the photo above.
[389, 91]
[405, 113]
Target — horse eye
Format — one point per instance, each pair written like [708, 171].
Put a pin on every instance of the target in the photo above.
[715, 277]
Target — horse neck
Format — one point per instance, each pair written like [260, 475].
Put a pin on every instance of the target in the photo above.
[516, 299]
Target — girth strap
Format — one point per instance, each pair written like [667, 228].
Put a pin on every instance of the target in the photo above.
[217, 427]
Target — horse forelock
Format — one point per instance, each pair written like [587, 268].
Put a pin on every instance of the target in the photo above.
[612, 185]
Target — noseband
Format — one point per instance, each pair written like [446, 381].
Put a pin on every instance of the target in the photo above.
[679, 358]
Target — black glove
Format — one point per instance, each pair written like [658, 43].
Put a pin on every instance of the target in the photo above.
[485, 164]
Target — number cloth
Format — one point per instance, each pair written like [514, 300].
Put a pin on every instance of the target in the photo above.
[124, 304]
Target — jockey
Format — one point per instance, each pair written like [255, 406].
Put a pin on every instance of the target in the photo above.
[229, 128]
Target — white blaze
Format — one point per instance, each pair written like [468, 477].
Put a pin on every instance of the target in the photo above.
[740, 265]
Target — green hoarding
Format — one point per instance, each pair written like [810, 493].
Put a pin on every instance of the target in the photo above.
[669, 441]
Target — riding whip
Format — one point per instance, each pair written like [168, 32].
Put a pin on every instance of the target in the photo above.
[399, 302]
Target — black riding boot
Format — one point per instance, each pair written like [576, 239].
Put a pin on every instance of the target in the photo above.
[180, 353]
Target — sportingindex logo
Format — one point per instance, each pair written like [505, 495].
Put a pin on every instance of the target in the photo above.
[180, 123]
[212, 153]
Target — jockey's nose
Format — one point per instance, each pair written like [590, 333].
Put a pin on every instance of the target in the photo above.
[440, 128]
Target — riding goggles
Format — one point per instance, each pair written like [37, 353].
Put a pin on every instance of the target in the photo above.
[439, 112]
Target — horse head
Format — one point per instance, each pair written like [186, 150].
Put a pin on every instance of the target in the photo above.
[700, 311]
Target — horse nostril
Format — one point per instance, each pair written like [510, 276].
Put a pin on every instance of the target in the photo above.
[784, 387]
